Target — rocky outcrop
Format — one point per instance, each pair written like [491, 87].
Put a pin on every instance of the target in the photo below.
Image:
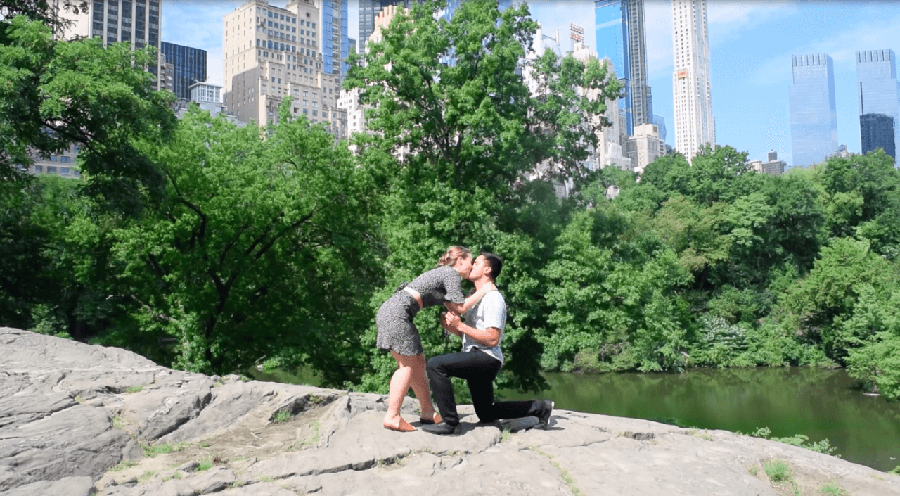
[78, 420]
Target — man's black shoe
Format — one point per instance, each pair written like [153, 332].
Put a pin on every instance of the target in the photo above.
[442, 429]
[543, 410]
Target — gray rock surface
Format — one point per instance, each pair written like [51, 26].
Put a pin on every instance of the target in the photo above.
[80, 420]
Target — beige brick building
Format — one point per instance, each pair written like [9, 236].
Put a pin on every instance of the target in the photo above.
[272, 53]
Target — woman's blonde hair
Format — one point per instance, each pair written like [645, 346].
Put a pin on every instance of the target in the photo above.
[452, 254]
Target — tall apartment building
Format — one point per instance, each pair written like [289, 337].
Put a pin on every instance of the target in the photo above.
[189, 65]
[166, 74]
[879, 91]
[622, 39]
[132, 21]
[813, 112]
[694, 122]
[272, 53]
[610, 139]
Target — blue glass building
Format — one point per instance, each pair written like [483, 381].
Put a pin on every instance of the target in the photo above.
[660, 124]
[190, 67]
[612, 43]
[877, 131]
[879, 92]
[335, 39]
[813, 114]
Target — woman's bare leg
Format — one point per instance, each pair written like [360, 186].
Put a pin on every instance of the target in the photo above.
[420, 386]
[400, 383]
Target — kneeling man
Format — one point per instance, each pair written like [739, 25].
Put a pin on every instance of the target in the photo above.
[480, 359]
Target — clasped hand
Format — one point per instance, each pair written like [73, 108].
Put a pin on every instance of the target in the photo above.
[450, 321]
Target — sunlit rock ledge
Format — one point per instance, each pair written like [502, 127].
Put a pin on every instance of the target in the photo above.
[77, 420]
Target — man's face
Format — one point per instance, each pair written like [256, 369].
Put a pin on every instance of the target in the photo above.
[479, 268]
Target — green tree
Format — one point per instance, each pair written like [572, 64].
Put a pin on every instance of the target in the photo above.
[468, 137]
[719, 174]
[818, 307]
[260, 249]
[611, 287]
[858, 189]
[54, 94]
[41, 10]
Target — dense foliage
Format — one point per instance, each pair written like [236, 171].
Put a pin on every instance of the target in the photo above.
[213, 247]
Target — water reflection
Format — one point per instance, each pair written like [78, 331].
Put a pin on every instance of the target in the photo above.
[821, 404]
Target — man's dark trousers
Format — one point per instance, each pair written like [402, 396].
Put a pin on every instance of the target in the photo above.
[478, 369]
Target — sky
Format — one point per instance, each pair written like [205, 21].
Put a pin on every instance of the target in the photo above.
[751, 44]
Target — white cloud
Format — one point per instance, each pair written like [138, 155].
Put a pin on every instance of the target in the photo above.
[841, 46]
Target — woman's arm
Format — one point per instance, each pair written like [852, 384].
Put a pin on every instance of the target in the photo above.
[470, 301]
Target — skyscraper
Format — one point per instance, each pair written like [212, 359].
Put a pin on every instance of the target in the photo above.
[641, 100]
[189, 66]
[694, 123]
[877, 131]
[621, 38]
[813, 114]
[879, 92]
[132, 21]
[335, 42]
[368, 10]
[272, 53]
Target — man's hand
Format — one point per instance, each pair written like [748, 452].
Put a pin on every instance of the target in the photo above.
[450, 321]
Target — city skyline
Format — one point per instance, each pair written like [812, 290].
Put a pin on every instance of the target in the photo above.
[751, 44]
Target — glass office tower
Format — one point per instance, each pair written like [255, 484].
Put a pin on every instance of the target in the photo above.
[612, 43]
[621, 38]
[335, 40]
[879, 92]
[813, 114]
[189, 64]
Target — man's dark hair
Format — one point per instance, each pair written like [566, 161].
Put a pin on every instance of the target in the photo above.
[495, 263]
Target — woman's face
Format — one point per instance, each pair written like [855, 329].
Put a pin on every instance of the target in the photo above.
[463, 265]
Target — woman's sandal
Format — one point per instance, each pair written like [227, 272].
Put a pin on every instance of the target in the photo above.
[403, 426]
[435, 419]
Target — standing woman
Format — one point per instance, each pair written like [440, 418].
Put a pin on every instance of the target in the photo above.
[398, 334]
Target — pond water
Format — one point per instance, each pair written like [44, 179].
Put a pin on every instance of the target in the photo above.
[820, 404]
